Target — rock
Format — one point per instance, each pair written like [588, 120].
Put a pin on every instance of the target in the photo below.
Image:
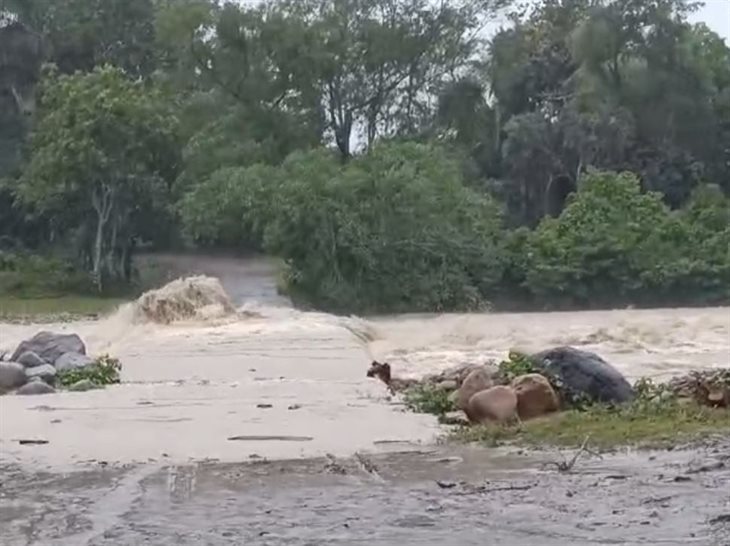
[50, 346]
[45, 373]
[35, 387]
[447, 385]
[31, 360]
[83, 385]
[494, 405]
[535, 396]
[581, 374]
[477, 380]
[72, 361]
[12, 376]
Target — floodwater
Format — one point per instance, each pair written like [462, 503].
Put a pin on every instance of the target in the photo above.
[199, 399]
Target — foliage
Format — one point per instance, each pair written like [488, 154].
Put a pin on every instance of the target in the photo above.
[104, 371]
[99, 158]
[425, 398]
[614, 243]
[393, 230]
[517, 364]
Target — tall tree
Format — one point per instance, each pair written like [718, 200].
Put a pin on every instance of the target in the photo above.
[100, 154]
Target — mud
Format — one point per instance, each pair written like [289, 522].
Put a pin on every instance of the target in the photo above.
[443, 495]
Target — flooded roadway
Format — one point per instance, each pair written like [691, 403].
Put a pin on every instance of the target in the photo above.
[151, 461]
[433, 497]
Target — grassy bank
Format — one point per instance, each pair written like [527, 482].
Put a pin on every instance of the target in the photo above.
[658, 426]
[52, 309]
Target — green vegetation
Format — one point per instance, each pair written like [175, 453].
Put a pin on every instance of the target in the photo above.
[424, 398]
[666, 424]
[392, 158]
[104, 371]
[656, 417]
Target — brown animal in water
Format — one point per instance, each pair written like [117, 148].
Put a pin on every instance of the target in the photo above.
[381, 370]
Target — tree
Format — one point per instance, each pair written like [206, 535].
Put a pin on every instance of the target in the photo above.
[103, 147]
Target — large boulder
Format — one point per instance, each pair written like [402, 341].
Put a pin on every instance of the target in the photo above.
[496, 405]
[35, 387]
[50, 346]
[31, 360]
[12, 376]
[477, 380]
[45, 373]
[582, 376]
[73, 361]
[535, 396]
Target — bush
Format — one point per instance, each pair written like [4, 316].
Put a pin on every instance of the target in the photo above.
[424, 398]
[104, 371]
[614, 244]
[394, 230]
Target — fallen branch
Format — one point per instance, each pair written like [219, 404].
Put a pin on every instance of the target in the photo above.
[567, 466]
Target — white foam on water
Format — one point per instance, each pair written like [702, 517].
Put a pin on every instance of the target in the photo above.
[194, 380]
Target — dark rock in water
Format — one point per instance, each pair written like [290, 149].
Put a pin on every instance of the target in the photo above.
[72, 361]
[50, 346]
[31, 360]
[45, 373]
[35, 387]
[12, 376]
[581, 374]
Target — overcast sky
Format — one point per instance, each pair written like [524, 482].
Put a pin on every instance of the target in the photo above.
[716, 15]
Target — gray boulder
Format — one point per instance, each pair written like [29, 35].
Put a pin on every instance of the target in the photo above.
[72, 361]
[583, 376]
[50, 346]
[31, 360]
[35, 387]
[12, 376]
[45, 373]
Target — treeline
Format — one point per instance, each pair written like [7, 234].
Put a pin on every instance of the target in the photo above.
[394, 157]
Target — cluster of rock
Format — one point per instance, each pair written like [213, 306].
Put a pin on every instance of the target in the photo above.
[564, 376]
[34, 366]
[483, 395]
[708, 387]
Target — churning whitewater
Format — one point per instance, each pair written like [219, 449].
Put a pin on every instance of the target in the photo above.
[210, 358]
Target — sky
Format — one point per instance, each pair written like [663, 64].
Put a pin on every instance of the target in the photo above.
[716, 15]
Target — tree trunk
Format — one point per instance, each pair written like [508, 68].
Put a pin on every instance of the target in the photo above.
[102, 200]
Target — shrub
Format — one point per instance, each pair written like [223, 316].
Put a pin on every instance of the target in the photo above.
[104, 371]
[425, 398]
[615, 244]
[393, 230]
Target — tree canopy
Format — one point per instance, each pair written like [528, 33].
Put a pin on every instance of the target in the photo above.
[353, 138]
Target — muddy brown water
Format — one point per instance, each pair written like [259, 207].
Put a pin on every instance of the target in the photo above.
[151, 461]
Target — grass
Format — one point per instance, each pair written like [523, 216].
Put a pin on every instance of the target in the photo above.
[16, 309]
[638, 424]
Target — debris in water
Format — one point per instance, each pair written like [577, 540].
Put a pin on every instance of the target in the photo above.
[32, 442]
[271, 438]
[264, 406]
[294, 407]
[445, 485]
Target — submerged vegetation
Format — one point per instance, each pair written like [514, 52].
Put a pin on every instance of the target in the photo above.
[395, 158]
[104, 371]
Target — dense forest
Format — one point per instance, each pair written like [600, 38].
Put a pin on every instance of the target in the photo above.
[398, 155]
